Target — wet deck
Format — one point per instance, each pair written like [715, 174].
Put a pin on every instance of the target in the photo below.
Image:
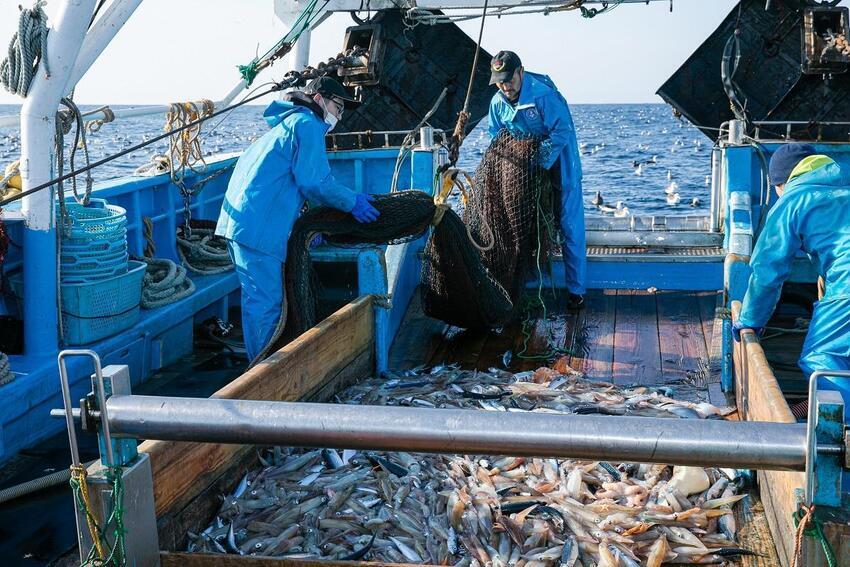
[623, 336]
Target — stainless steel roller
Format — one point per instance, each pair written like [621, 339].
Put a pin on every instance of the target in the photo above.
[719, 443]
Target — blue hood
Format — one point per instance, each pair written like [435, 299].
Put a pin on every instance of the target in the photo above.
[293, 102]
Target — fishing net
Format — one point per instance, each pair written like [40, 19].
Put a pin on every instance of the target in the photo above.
[509, 212]
[472, 273]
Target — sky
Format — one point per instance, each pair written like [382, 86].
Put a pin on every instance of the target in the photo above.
[174, 50]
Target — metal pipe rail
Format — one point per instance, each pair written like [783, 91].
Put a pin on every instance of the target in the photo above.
[715, 443]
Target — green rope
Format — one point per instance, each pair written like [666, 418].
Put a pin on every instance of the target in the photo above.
[816, 532]
[114, 524]
[250, 71]
[552, 350]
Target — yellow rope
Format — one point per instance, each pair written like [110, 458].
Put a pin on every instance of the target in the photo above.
[78, 475]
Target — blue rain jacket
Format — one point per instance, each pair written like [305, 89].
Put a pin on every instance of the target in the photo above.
[542, 111]
[811, 216]
[276, 174]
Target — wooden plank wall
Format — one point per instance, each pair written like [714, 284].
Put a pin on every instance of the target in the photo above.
[766, 403]
[336, 349]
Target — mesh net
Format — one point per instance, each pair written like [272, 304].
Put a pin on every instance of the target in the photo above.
[510, 210]
[472, 273]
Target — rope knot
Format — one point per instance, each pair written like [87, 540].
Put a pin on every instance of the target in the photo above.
[439, 211]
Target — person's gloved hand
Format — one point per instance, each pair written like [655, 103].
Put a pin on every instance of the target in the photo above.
[737, 327]
[363, 211]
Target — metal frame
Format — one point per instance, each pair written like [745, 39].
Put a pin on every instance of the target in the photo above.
[824, 427]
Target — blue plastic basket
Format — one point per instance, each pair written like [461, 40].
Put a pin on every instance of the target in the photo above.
[92, 270]
[96, 310]
[94, 243]
[103, 244]
[98, 220]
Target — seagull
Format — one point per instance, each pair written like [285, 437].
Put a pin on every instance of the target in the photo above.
[695, 202]
[674, 199]
[639, 169]
[619, 211]
[597, 200]
[672, 188]
[622, 210]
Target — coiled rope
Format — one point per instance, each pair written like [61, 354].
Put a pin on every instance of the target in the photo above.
[203, 252]
[165, 282]
[6, 374]
[26, 50]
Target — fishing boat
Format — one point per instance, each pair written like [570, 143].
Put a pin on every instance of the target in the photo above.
[663, 290]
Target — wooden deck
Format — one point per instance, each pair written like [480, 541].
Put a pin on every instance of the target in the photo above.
[623, 336]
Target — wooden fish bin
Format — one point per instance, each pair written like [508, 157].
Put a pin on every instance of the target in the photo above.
[189, 478]
[780, 491]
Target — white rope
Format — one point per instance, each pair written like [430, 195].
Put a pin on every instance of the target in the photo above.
[27, 48]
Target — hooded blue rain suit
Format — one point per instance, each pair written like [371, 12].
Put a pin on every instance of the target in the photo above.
[268, 188]
[542, 111]
[811, 216]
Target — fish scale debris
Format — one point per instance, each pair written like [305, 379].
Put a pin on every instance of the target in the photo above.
[481, 510]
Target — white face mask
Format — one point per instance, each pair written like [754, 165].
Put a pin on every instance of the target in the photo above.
[330, 119]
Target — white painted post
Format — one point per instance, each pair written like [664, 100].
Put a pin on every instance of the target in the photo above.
[287, 12]
[38, 126]
[299, 57]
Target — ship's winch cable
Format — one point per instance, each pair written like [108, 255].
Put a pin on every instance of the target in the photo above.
[291, 79]
[303, 23]
[137, 147]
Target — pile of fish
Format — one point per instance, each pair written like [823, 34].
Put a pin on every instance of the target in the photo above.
[484, 511]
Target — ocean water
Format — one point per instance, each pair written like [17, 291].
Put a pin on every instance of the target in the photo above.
[613, 138]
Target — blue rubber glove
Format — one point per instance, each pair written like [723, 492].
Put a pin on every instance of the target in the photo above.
[363, 211]
[318, 240]
[737, 327]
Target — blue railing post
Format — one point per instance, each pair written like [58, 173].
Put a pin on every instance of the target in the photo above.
[41, 313]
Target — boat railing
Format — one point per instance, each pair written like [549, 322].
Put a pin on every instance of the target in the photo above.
[788, 125]
[365, 139]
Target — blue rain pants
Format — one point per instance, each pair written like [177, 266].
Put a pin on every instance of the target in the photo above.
[261, 278]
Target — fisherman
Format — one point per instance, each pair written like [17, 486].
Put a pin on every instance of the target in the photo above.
[810, 215]
[267, 191]
[530, 104]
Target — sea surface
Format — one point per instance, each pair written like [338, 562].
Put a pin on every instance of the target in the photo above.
[613, 140]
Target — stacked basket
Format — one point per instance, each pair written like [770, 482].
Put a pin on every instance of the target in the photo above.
[94, 242]
[101, 287]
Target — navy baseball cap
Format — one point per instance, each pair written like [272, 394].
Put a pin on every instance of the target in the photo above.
[785, 159]
[331, 88]
[503, 65]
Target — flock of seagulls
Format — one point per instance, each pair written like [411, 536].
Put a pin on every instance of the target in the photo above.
[671, 192]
